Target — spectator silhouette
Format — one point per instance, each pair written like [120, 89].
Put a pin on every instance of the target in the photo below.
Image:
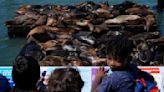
[25, 74]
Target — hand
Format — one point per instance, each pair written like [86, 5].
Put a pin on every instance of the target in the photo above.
[99, 76]
[101, 73]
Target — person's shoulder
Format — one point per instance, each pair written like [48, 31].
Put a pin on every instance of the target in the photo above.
[120, 76]
[117, 80]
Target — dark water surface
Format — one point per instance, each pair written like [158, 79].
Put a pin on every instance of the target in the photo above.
[9, 48]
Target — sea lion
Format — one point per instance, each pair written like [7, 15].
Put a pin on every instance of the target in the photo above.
[121, 19]
[20, 19]
[22, 9]
[159, 43]
[119, 9]
[52, 61]
[140, 21]
[69, 47]
[144, 36]
[100, 10]
[42, 34]
[80, 63]
[48, 44]
[82, 22]
[27, 18]
[158, 59]
[42, 29]
[85, 37]
[97, 21]
[139, 11]
[150, 20]
[145, 53]
[99, 28]
[51, 21]
[32, 15]
[32, 49]
[28, 22]
[102, 13]
[100, 62]
[41, 21]
[126, 4]
[87, 6]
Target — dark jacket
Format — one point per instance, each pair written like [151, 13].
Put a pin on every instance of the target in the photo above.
[123, 81]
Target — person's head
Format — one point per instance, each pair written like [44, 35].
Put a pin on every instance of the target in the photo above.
[118, 50]
[4, 84]
[25, 73]
[65, 80]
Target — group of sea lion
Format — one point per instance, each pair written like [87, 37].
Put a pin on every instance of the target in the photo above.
[77, 34]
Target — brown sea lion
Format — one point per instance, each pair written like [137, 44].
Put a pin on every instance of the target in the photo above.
[150, 20]
[100, 10]
[41, 21]
[100, 62]
[104, 15]
[85, 23]
[42, 34]
[74, 61]
[42, 29]
[29, 22]
[20, 19]
[52, 61]
[27, 18]
[97, 21]
[139, 11]
[48, 44]
[140, 21]
[82, 22]
[101, 27]
[121, 19]
[130, 10]
[22, 9]
[80, 63]
[32, 15]
[90, 55]
[144, 36]
[51, 21]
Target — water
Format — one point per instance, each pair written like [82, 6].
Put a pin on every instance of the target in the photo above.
[9, 48]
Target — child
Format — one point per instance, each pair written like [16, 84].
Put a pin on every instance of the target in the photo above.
[122, 78]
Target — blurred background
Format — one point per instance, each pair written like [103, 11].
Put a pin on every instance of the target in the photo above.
[10, 47]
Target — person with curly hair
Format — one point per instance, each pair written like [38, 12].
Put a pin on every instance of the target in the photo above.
[65, 80]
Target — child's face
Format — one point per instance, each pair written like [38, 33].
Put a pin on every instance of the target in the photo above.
[116, 63]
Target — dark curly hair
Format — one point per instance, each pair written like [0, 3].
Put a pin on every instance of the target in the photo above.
[65, 80]
[25, 73]
[119, 47]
